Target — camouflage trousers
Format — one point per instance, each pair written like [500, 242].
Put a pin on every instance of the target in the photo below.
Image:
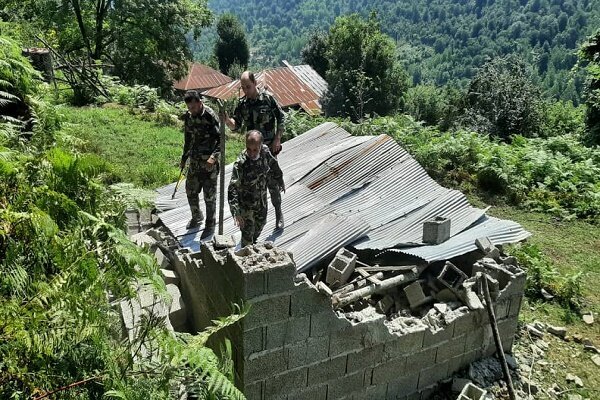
[199, 179]
[254, 222]
[273, 186]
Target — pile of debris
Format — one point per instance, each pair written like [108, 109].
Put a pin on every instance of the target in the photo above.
[408, 291]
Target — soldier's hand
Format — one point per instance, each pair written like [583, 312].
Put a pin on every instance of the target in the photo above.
[282, 188]
[210, 163]
[239, 221]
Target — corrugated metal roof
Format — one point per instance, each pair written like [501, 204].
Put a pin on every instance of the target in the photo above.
[291, 87]
[201, 77]
[362, 191]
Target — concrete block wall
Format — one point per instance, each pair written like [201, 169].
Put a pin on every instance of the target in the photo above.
[293, 346]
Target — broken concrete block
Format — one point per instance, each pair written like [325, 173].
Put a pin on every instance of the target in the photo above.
[458, 384]
[534, 331]
[484, 244]
[559, 331]
[471, 299]
[445, 296]
[177, 312]
[471, 392]
[416, 297]
[340, 268]
[169, 276]
[224, 241]
[436, 230]
[143, 240]
[323, 288]
[451, 276]
[162, 260]
[384, 305]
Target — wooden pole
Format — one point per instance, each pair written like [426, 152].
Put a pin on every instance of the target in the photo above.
[499, 349]
[221, 166]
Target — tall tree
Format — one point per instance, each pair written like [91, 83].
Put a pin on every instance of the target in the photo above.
[590, 51]
[502, 100]
[314, 53]
[144, 40]
[231, 47]
[364, 78]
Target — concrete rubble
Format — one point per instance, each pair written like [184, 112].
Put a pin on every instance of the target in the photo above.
[353, 329]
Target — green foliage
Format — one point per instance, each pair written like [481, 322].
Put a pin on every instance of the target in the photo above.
[143, 40]
[543, 276]
[231, 46]
[441, 42]
[590, 52]
[501, 100]
[557, 175]
[314, 53]
[363, 76]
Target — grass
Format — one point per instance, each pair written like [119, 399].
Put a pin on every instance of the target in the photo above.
[139, 151]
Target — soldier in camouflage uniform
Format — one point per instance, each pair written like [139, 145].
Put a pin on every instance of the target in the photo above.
[259, 110]
[201, 147]
[247, 191]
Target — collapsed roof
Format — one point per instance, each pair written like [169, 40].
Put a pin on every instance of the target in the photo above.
[365, 192]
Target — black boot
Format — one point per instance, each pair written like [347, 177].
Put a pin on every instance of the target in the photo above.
[279, 224]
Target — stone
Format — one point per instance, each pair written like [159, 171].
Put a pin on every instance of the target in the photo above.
[534, 331]
[511, 361]
[559, 331]
[574, 396]
[588, 318]
[385, 304]
[169, 276]
[592, 348]
[546, 295]
[224, 241]
[596, 360]
[441, 307]
[574, 379]
[529, 386]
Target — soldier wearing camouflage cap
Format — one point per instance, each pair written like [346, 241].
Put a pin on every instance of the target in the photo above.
[201, 147]
[259, 110]
[247, 193]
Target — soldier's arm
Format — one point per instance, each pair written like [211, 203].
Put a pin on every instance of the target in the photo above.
[235, 123]
[233, 192]
[280, 117]
[276, 171]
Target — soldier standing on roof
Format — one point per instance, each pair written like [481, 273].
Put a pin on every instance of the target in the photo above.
[201, 147]
[260, 111]
[247, 193]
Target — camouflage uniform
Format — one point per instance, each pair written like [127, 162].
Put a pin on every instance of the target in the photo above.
[261, 114]
[247, 193]
[202, 140]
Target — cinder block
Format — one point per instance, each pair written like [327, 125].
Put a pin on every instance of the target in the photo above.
[345, 386]
[311, 393]
[438, 337]
[340, 268]
[347, 341]
[390, 370]
[403, 386]
[422, 359]
[327, 370]
[502, 309]
[255, 284]
[280, 385]
[451, 276]
[471, 357]
[253, 341]
[267, 311]
[254, 390]
[369, 357]
[414, 294]
[463, 324]
[310, 351]
[471, 392]
[254, 366]
[326, 322]
[405, 344]
[436, 230]
[280, 278]
[433, 375]
[162, 260]
[507, 329]
[450, 349]
[484, 244]
[223, 241]
[309, 301]
[376, 392]
[177, 311]
[515, 306]
[455, 364]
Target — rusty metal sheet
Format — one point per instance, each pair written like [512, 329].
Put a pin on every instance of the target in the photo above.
[201, 77]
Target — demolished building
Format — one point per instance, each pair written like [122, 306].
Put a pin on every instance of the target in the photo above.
[371, 291]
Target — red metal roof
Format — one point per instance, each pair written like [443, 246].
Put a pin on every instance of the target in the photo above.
[284, 83]
[201, 77]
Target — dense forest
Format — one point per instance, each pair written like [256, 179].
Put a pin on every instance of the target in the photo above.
[438, 41]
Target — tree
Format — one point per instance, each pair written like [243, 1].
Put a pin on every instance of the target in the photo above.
[502, 101]
[231, 46]
[363, 76]
[314, 53]
[144, 40]
[590, 51]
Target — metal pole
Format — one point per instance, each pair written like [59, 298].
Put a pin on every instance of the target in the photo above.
[221, 166]
[499, 349]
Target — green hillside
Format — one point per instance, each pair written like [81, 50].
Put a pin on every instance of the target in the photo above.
[438, 41]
